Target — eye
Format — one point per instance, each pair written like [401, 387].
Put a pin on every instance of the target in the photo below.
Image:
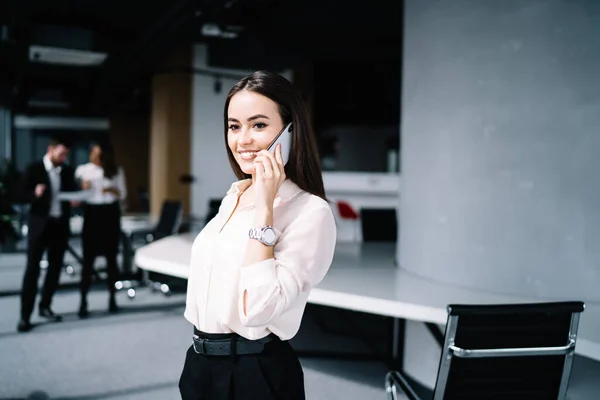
[260, 125]
[233, 127]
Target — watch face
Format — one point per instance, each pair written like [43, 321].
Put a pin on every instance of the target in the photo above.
[269, 236]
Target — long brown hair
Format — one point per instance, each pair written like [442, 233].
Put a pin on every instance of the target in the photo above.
[304, 166]
[107, 159]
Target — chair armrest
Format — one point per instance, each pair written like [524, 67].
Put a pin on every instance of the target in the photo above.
[396, 383]
[514, 352]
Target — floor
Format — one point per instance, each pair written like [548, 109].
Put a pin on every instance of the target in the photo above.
[138, 353]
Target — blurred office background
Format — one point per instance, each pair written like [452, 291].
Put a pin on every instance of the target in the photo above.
[463, 133]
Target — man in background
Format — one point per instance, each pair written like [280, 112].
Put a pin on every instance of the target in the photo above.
[48, 227]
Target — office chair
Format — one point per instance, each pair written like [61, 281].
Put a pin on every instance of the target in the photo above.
[144, 199]
[379, 224]
[518, 351]
[213, 209]
[168, 224]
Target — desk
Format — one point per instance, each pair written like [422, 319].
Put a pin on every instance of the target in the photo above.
[129, 223]
[364, 278]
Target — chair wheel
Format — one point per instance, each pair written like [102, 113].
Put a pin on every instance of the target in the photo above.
[131, 293]
[165, 289]
[70, 270]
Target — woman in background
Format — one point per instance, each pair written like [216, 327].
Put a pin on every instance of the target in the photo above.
[102, 219]
[255, 263]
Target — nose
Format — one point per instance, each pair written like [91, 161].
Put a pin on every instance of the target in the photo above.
[245, 136]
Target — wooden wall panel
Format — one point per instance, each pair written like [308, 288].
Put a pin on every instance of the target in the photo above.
[170, 133]
[130, 137]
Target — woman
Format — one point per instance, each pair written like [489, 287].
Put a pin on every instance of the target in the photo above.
[102, 219]
[254, 264]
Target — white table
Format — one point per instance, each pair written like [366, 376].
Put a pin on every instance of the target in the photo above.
[129, 223]
[364, 278]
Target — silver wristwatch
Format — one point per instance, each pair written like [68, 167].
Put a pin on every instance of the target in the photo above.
[265, 234]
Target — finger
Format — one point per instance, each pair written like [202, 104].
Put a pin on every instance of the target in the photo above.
[277, 166]
[268, 154]
[278, 156]
[271, 162]
[279, 159]
[268, 166]
[259, 169]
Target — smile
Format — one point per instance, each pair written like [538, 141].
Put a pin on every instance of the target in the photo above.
[247, 155]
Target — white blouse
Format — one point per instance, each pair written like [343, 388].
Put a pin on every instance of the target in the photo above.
[277, 288]
[95, 175]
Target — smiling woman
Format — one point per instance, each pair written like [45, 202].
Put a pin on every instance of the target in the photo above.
[255, 263]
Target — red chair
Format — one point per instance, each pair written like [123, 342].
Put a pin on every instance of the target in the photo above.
[347, 212]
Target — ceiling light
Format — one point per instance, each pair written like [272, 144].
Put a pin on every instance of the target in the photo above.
[38, 103]
[56, 55]
[213, 30]
[63, 123]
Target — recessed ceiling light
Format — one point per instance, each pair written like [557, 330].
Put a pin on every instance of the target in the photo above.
[213, 30]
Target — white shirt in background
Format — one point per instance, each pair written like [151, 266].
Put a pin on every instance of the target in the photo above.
[95, 175]
[54, 175]
[277, 288]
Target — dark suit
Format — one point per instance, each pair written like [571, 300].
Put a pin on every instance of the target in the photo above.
[45, 233]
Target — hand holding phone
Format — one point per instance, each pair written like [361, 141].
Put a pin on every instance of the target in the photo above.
[285, 139]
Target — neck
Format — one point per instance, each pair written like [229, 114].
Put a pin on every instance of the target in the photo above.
[51, 161]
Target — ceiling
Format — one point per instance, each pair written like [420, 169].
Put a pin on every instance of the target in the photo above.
[135, 34]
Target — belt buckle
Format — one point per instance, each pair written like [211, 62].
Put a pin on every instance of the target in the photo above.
[198, 341]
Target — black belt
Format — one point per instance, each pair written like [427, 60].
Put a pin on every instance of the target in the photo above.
[225, 347]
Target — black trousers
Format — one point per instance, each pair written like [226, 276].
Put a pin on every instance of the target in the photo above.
[275, 374]
[53, 237]
[100, 237]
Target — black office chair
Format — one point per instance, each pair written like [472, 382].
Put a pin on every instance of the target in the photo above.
[168, 224]
[379, 225]
[144, 199]
[169, 221]
[213, 209]
[518, 351]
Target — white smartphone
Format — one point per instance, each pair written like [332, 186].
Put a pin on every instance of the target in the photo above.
[285, 138]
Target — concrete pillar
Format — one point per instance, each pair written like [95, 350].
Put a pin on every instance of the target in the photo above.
[501, 110]
[500, 138]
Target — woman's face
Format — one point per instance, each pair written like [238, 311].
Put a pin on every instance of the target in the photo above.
[253, 123]
[95, 154]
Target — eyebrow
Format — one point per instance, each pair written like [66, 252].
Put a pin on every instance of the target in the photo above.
[252, 118]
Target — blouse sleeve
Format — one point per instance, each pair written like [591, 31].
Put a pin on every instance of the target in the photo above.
[79, 172]
[121, 186]
[191, 308]
[303, 256]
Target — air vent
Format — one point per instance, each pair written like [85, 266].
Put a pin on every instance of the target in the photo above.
[56, 55]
